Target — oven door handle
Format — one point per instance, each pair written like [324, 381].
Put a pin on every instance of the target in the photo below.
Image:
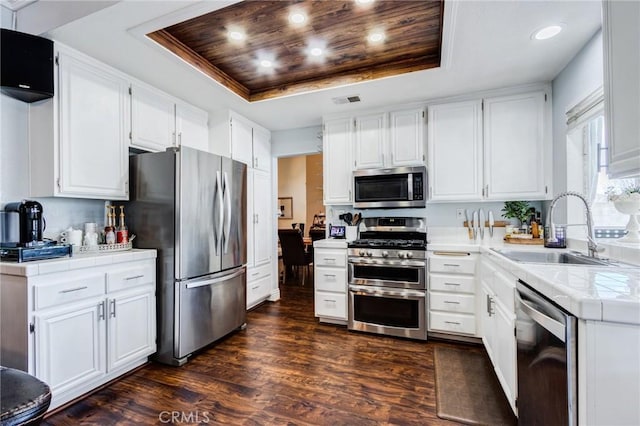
[385, 292]
[382, 263]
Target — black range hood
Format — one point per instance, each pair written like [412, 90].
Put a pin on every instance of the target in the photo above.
[26, 66]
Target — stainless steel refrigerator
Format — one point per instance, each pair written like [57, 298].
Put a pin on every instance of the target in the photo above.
[190, 205]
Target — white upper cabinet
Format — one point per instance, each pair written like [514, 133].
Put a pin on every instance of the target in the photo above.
[621, 33]
[78, 140]
[406, 137]
[516, 143]
[337, 160]
[455, 151]
[369, 141]
[159, 121]
[250, 143]
[192, 127]
[389, 139]
[152, 119]
[493, 149]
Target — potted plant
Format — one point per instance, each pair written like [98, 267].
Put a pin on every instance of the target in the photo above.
[519, 210]
[627, 201]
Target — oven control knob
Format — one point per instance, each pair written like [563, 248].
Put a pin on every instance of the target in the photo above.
[369, 253]
[402, 254]
[362, 252]
[409, 255]
[385, 254]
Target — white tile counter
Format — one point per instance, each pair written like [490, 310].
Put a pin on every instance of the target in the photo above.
[39, 267]
[588, 292]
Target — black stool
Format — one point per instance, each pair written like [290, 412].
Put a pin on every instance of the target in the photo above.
[23, 399]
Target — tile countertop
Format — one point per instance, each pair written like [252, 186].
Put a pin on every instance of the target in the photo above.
[39, 267]
[588, 292]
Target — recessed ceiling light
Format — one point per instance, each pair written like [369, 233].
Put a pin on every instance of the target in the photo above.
[375, 37]
[265, 63]
[237, 35]
[316, 51]
[364, 1]
[297, 18]
[547, 32]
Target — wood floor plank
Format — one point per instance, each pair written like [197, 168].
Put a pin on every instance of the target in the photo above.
[285, 368]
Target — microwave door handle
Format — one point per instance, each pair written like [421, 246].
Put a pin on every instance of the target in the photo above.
[410, 189]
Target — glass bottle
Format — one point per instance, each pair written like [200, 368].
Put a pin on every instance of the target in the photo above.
[122, 234]
[109, 229]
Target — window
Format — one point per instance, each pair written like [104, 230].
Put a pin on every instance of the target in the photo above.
[587, 154]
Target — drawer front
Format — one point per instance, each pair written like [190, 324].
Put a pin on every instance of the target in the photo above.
[330, 279]
[452, 283]
[330, 257]
[259, 272]
[452, 323]
[69, 288]
[332, 305]
[453, 264]
[124, 276]
[504, 287]
[258, 290]
[462, 303]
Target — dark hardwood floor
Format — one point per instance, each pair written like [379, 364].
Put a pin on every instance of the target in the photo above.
[285, 368]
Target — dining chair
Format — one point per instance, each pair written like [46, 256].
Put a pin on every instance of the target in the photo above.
[294, 255]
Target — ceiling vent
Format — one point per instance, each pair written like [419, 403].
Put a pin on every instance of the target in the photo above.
[346, 99]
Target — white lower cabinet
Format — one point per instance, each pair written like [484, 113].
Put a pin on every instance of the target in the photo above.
[452, 299]
[86, 325]
[330, 280]
[498, 325]
[258, 285]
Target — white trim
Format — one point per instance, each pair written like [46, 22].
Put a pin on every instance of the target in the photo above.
[448, 33]
[587, 108]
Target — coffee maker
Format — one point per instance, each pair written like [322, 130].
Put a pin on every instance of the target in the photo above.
[31, 222]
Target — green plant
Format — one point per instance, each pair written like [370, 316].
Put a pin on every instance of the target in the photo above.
[516, 210]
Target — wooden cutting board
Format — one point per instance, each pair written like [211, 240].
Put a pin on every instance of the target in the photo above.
[524, 241]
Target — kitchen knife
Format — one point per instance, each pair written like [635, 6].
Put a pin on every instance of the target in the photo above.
[491, 223]
[466, 215]
[481, 224]
[475, 224]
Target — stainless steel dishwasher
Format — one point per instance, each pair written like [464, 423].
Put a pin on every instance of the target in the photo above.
[547, 360]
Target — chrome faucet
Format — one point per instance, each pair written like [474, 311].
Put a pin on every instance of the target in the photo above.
[592, 246]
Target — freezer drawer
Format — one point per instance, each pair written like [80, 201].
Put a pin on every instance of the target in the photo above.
[208, 309]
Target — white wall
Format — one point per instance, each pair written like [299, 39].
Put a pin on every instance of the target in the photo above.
[291, 142]
[579, 78]
[292, 180]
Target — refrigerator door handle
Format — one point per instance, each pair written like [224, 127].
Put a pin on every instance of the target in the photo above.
[227, 213]
[215, 280]
[219, 202]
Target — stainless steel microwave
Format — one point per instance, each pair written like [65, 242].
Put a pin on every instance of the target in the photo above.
[398, 187]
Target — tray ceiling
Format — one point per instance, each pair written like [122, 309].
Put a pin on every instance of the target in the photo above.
[330, 48]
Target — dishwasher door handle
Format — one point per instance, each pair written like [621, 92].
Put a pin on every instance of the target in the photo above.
[554, 327]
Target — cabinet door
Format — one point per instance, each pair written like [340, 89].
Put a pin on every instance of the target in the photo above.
[515, 140]
[152, 119]
[406, 137]
[241, 141]
[370, 141]
[455, 151]
[70, 346]
[505, 351]
[262, 214]
[621, 33]
[94, 128]
[261, 149]
[337, 155]
[131, 327]
[192, 127]
[258, 290]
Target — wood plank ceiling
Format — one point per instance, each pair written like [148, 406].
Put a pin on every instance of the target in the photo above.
[337, 31]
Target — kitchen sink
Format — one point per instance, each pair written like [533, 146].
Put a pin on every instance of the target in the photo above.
[561, 258]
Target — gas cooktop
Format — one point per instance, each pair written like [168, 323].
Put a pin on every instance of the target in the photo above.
[388, 243]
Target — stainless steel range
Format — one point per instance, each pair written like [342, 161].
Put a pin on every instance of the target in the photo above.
[388, 278]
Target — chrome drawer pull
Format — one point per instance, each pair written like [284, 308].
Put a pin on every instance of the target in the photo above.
[451, 253]
[329, 300]
[255, 273]
[330, 275]
[330, 259]
[456, 284]
[256, 287]
[134, 277]
[71, 290]
[453, 303]
[451, 264]
[452, 322]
